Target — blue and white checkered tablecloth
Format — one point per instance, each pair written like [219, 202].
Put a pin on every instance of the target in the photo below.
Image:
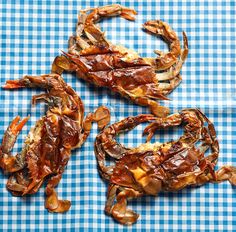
[33, 32]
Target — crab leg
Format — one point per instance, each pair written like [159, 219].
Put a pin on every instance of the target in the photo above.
[119, 210]
[19, 185]
[166, 60]
[77, 42]
[209, 139]
[8, 162]
[42, 96]
[110, 11]
[226, 173]
[172, 120]
[15, 188]
[87, 24]
[13, 84]
[174, 70]
[27, 81]
[155, 107]
[45, 81]
[52, 203]
[207, 174]
[167, 88]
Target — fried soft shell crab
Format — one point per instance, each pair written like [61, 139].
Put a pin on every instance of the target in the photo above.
[98, 61]
[48, 146]
[154, 167]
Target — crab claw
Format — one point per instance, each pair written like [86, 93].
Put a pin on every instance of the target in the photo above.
[8, 162]
[11, 134]
[17, 126]
[13, 84]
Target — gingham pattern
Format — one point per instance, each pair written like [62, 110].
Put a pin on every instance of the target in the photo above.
[32, 33]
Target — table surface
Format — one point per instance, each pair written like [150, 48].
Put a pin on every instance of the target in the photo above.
[32, 33]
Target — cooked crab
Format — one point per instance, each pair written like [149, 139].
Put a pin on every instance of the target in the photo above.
[48, 146]
[154, 167]
[98, 61]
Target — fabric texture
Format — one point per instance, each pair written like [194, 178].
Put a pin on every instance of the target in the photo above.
[32, 33]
